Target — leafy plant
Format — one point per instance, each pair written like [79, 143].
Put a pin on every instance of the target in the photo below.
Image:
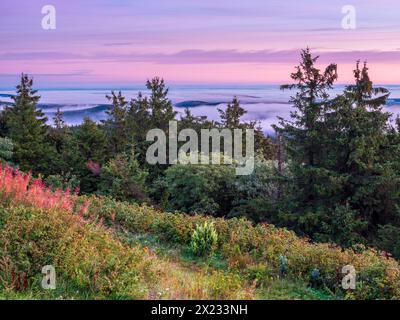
[245, 246]
[204, 239]
[207, 189]
[18, 188]
[123, 179]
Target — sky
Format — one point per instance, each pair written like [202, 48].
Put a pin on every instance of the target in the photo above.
[102, 43]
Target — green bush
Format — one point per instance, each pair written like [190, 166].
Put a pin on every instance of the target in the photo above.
[123, 179]
[389, 239]
[63, 182]
[84, 254]
[204, 239]
[201, 189]
[245, 246]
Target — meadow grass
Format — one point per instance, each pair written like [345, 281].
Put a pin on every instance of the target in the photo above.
[105, 249]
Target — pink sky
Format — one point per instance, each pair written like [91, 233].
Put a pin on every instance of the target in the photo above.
[121, 42]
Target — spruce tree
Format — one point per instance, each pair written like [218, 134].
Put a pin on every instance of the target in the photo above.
[363, 93]
[138, 124]
[161, 113]
[161, 107]
[58, 119]
[344, 178]
[60, 137]
[230, 118]
[60, 133]
[87, 149]
[190, 121]
[138, 117]
[115, 125]
[360, 137]
[26, 126]
[304, 135]
[91, 141]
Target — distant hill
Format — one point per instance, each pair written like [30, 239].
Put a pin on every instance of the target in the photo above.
[5, 95]
[196, 103]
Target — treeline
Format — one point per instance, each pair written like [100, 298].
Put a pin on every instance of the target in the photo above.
[109, 158]
[332, 172]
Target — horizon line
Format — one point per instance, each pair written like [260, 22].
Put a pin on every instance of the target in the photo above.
[135, 86]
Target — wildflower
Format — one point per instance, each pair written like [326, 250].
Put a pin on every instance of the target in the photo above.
[17, 188]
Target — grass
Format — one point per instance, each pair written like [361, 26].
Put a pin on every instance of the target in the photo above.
[187, 263]
[105, 249]
[254, 251]
[156, 269]
[282, 289]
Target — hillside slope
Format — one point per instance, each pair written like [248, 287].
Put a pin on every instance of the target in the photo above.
[105, 249]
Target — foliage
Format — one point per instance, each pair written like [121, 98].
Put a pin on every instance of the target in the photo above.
[6, 150]
[26, 127]
[88, 145]
[60, 137]
[230, 118]
[115, 125]
[123, 179]
[332, 174]
[389, 239]
[91, 152]
[204, 239]
[90, 261]
[246, 247]
[217, 190]
[344, 182]
[200, 188]
[256, 194]
[161, 109]
[62, 181]
[18, 188]
[88, 258]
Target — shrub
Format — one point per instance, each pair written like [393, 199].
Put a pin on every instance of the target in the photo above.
[91, 262]
[389, 239]
[256, 194]
[204, 239]
[245, 246]
[64, 182]
[205, 189]
[123, 179]
[85, 255]
[17, 188]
